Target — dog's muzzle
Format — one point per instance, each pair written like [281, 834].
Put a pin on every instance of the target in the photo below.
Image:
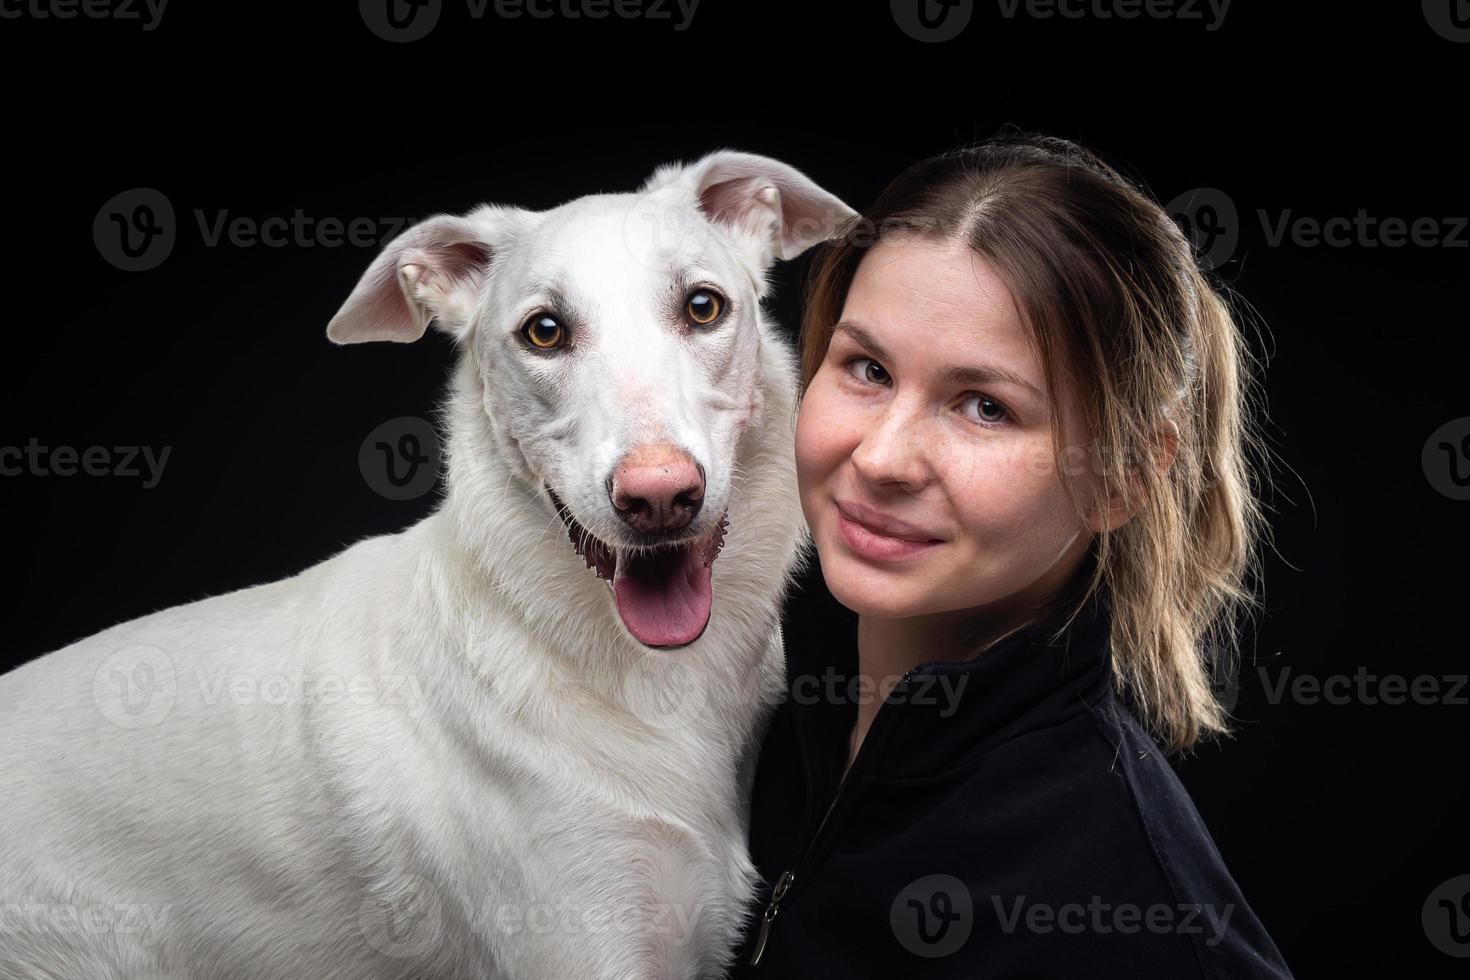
[662, 589]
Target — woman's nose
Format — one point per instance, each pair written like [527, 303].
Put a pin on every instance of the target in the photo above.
[895, 449]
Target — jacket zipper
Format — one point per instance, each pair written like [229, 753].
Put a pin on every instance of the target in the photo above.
[788, 878]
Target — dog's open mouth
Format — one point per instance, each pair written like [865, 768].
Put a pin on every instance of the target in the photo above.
[663, 595]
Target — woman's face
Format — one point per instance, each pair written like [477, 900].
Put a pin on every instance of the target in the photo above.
[967, 460]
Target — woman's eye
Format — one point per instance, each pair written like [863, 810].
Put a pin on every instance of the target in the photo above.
[544, 331]
[704, 307]
[991, 411]
[883, 378]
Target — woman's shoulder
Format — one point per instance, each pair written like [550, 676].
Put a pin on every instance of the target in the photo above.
[1115, 830]
[1138, 773]
[1054, 845]
[1081, 834]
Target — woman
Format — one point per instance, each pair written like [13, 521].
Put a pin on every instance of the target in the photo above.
[1021, 450]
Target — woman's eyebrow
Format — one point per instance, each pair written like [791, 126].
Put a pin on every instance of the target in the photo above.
[985, 374]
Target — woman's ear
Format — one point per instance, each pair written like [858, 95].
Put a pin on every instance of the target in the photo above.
[1123, 503]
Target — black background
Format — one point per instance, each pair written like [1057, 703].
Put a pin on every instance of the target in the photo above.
[1337, 819]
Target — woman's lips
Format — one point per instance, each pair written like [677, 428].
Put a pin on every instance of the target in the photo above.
[880, 547]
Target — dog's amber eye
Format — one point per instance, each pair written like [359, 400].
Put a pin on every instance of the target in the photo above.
[704, 307]
[544, 331]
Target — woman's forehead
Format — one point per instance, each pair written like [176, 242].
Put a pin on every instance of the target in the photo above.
[924, 277]
[937, 304]
[910, 293]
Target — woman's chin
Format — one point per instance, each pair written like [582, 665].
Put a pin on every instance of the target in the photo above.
[867, 591]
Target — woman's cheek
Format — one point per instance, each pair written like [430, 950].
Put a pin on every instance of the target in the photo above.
[805, 446]
[973, 471]
[819, 426]
[813, 448]
[995, 498]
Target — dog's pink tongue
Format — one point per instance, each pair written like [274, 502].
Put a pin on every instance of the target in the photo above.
[664, 599]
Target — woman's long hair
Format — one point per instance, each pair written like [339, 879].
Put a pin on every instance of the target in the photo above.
[1115, 302]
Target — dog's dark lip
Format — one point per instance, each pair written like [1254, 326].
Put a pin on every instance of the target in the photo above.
[603, 557]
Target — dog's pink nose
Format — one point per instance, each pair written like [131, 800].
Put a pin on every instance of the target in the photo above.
[657, 488]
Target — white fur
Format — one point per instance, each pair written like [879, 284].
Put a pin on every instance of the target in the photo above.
[504, 758]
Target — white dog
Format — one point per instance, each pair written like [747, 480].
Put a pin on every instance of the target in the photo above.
[513, 740]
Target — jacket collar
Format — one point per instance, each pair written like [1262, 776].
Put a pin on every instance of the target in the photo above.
[951, 711]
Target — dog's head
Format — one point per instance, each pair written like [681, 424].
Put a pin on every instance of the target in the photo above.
[619, 341]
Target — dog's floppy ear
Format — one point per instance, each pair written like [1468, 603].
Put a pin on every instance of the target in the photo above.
[778, 205]
[433, 272]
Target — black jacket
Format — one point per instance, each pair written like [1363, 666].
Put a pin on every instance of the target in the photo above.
[1017, 823]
